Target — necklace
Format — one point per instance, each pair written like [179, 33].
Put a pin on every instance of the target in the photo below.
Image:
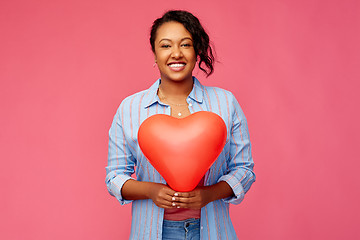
[163, 98]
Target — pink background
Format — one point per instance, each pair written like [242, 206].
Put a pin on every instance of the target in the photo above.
[65, 66]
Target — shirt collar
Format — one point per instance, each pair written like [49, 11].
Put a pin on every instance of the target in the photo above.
[197, 92]
[151, 97]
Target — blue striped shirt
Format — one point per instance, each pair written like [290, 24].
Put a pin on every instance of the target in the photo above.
[234, 165]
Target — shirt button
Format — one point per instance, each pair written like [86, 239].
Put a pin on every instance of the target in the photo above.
[201, 227]
[190, 104]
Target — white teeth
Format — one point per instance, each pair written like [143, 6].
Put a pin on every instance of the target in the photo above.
[176, 65]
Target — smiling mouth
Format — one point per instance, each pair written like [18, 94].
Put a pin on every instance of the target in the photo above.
[176, 66]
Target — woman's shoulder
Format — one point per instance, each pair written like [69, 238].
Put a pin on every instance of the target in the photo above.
[222, 97]
[134, 96]
[218, 92]
[140, 99]
[211, 89]
[143, 95]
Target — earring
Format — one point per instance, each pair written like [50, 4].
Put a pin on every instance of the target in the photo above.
[154, 64]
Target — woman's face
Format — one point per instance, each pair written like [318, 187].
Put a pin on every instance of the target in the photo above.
[174, 52]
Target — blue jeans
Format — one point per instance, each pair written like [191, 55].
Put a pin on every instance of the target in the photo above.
[188, 229]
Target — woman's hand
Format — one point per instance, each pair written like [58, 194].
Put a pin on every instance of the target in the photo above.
[195, 199]
[201, 196]
[161, 195]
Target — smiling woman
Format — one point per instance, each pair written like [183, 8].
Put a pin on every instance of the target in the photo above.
[175, 57]
[174, 52]
[178, 41]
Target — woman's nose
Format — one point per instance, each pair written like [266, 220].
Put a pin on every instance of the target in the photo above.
[176, 53]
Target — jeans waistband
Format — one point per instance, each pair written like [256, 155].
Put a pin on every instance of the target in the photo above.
[182, 224]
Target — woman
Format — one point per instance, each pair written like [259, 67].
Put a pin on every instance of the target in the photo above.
[178, 42]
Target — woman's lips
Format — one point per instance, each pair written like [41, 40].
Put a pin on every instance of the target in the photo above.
[176, 66]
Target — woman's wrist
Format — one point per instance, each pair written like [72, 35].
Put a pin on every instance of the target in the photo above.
[219, 190]
[135, 190]
[150, 189]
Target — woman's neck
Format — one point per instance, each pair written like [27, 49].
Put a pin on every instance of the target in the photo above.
[176, 89]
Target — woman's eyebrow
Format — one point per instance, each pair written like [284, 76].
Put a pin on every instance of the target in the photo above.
[186, 38]
[166, 39]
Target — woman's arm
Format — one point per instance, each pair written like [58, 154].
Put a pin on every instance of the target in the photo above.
[159, 193]
[121, 162]
[121, 165]
[232, 186]
[240, 176]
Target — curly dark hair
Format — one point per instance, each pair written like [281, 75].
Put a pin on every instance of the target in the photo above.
[200, 37]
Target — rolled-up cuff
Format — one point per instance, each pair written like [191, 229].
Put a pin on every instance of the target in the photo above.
[237, 188]
[115, 185]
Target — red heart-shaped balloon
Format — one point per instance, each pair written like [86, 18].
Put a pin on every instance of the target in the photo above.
[182, 150]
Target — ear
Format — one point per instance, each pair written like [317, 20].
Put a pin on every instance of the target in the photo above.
[155, 61]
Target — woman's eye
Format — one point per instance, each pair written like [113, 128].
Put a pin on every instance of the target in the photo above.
[186, 45]
[165, 46]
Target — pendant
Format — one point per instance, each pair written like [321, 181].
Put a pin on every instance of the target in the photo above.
[179, 114]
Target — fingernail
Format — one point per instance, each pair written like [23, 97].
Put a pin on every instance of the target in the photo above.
[178, 206]
[176, 194]
[173, 198]
[174, 204]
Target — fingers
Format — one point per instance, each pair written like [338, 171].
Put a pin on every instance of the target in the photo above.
[168, 190]
[164, 197]
[186, 196]
[168, 198]
[187, 199]
[188, 204]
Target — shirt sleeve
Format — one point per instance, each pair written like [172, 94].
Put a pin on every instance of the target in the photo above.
[240, 176]
[121, 162]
